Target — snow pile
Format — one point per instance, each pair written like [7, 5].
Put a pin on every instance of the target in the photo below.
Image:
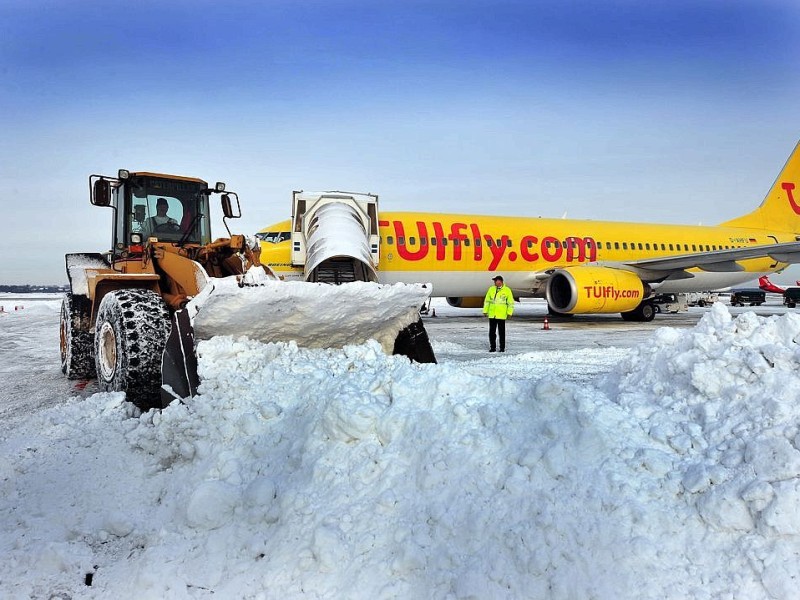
[720, 403]
[302, 473]
[315, 315]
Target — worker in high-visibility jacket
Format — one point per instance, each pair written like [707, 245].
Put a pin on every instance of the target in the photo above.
[498, 306]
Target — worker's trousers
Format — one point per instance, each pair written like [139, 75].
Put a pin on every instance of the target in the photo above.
[497, 326]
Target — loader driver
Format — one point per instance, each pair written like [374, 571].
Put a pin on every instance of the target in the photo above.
[161, 222]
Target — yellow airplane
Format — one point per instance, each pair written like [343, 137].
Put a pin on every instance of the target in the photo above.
[579, 266]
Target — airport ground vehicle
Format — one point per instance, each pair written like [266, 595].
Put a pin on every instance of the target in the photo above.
[754, 297]
[701, 299]
[132, 313]
[791, 296]
[670, 303]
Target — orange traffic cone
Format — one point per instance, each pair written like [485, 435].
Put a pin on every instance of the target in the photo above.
[546, 324]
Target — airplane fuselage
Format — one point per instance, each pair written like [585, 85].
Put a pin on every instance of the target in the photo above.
[459, 254]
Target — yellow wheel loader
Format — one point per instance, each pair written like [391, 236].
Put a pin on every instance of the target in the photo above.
[133, 313]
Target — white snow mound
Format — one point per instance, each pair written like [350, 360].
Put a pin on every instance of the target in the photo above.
[301, 473]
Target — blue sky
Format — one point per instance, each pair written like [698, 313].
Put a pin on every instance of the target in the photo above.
[680, 112]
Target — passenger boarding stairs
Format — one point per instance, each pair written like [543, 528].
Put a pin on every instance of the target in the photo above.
[335, 236]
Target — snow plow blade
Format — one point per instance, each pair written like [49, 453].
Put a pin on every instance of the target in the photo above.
[313, 315]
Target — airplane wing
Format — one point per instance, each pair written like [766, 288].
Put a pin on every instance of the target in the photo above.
[719, 261]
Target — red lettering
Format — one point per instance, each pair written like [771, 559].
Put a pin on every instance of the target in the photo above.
[498, 250]
[529, 241]
[530, 248]
[476, 239]
[438, 232]
[789, 186]
[551, 249]
[455, 234]
[576, 249]
[402, 249]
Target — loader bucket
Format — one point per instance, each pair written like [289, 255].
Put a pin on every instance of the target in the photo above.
[313, 315]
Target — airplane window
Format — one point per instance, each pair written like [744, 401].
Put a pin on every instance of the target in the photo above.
[423, 241]
[508, 243]
[663, 247]
[640, 245]
[433, 241]
[686, 247]
[466, 242]
[444, 241]
[547, 244]
[616, 245]
[455, 242]
[707, 248]
[477, 243]
[530, 243]
[608, 245]
[390, 240]
[412, 240]
[489, 242]
[401, 241]
[624, 245]
[647, 246]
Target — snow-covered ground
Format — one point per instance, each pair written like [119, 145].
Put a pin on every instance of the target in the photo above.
[594, 460]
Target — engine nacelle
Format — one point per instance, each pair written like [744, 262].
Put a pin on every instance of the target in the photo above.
[581, 290]
[469, 302]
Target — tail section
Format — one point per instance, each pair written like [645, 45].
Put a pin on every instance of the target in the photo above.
[765, 284]
[780, 209]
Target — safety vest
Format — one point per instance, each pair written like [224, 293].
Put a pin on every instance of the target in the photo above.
[499, 303]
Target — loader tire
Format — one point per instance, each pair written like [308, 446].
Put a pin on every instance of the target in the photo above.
[77, 337]
[130, 335]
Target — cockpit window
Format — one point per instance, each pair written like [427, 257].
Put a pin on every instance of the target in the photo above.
[169, 210]
[274, 237]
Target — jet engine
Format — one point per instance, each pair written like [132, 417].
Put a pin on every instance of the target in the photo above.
[469, 302]
[594, 290]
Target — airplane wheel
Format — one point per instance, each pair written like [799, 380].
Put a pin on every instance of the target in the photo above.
[130, 334]
[645, 312]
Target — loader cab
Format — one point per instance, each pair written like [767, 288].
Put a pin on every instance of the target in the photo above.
[167, 208]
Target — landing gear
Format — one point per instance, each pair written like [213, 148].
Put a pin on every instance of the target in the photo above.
[645, 312]
[130, 335]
